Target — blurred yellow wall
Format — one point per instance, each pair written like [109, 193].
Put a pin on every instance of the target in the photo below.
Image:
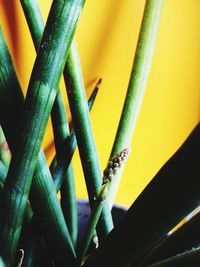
[107, 36]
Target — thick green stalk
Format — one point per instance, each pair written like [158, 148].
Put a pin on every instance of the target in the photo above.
[44, 199]
[138, 81]
[84, 135]
[42, 90]
[189, 258]
[33, 237]
[59, 120]
[3, 174]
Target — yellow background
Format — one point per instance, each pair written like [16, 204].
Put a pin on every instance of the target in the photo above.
[107, 36]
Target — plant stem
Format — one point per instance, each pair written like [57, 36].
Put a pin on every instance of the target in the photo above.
[84, 135]
[93, 220]
[156, 211]
[66, 189]
[138, 81]
[111, 170]
[44, 80]
[68, 151]
[59, 121]
[34, 20]
[69, 204]
[44, 199]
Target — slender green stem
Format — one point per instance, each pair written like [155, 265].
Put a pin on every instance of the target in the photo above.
[34, 19]
[43, 84]
[113, 167]
[84, 135]
[138, 81]
[67, 201]
[94, 94]
[68, 149]
[64, 160]
[94, 218]
[69, 204]
[189, 258]
[59, 121]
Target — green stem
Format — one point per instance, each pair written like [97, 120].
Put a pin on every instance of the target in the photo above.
[10, 102]
[67, 193]
[59, 121]
[84, 135]
[3, 174]
[44, 199]
[64, 160]
[42, 90]
[138, 81]
[156, 211]
[68, 149]
[113, 167]
[63, 166]
[93, 220]
[61, 133]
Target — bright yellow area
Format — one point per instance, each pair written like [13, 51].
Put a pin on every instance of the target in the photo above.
[107, 36]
